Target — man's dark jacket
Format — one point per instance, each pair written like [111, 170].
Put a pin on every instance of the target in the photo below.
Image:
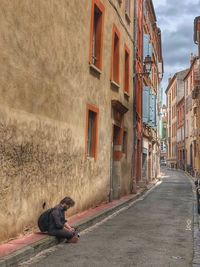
[57, 218]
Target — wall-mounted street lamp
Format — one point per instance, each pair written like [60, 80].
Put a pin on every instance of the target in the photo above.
[147, 66]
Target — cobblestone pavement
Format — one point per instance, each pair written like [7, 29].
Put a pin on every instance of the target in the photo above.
[156, 231]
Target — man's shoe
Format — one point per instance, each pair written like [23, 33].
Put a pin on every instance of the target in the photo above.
[74, 239]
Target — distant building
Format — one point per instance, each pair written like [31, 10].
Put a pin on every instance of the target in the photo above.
[152, 46]
[192, 113]
[196, 92]
[183, 108]
[180, 133]
[163, 134]
[174, 93]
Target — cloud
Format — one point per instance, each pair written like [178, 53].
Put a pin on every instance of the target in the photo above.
[182, 8]
[178, 45]
[176, 23]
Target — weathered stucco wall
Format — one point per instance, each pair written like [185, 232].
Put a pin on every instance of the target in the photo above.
[40, 164]
[45, 84]
[126, 38]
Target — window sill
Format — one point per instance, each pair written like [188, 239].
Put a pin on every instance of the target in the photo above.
[91, 158]
[126, 94]
[128, 17]
[115, 84]
[92, 66]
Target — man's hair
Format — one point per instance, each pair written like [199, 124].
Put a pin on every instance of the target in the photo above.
[68, 201]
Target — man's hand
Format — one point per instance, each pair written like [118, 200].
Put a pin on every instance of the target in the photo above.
[68, 227]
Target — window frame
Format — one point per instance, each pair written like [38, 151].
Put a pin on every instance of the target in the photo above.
[115, 32]
[94, 109]
[126, 71]
[128, 10]
[98, 4]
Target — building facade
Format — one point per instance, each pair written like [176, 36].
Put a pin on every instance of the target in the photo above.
[152, 47]
[138, 91]
[180, 135]
[192, 81]
[196, 111]
[196, 92]
[175, 93]
[183, 107]
[171, 123]
[163, 135]
[66, 106]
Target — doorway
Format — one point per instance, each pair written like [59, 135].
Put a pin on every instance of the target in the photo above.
[116, 168]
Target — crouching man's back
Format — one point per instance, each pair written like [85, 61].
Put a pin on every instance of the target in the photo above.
[58, 225]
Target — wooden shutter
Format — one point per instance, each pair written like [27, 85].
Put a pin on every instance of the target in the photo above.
[151, 109]
[145, 105]
[145, 45]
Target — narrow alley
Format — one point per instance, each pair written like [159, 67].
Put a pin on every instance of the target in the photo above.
[155, 231]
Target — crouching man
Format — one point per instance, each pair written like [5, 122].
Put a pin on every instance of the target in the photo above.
[58, 225]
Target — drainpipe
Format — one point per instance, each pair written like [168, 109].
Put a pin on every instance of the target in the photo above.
[111, 163]
[185, 160]
[133, 176]
[198, 33]
[142, 95]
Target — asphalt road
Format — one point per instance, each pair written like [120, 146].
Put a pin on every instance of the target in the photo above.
[156, 231]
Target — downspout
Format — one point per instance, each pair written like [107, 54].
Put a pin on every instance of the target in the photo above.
[176, 128]
[133, 176]
[142, 92]
[185, 154]
[198, 32]
[111, 162]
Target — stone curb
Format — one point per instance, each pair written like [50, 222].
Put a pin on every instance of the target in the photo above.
[31, 250]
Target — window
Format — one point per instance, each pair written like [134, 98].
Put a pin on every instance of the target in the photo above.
[91, 131]
[190, 83]
[115, 55]
[128, 8]
[187, 129]
[174, 150]
[186, 105]
[96, 33]
[195, 148]
[124, 145]
[178, 117]
[161, 146]
[126, 70]
[186, 85]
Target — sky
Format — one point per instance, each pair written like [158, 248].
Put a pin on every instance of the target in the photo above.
[176, 20]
